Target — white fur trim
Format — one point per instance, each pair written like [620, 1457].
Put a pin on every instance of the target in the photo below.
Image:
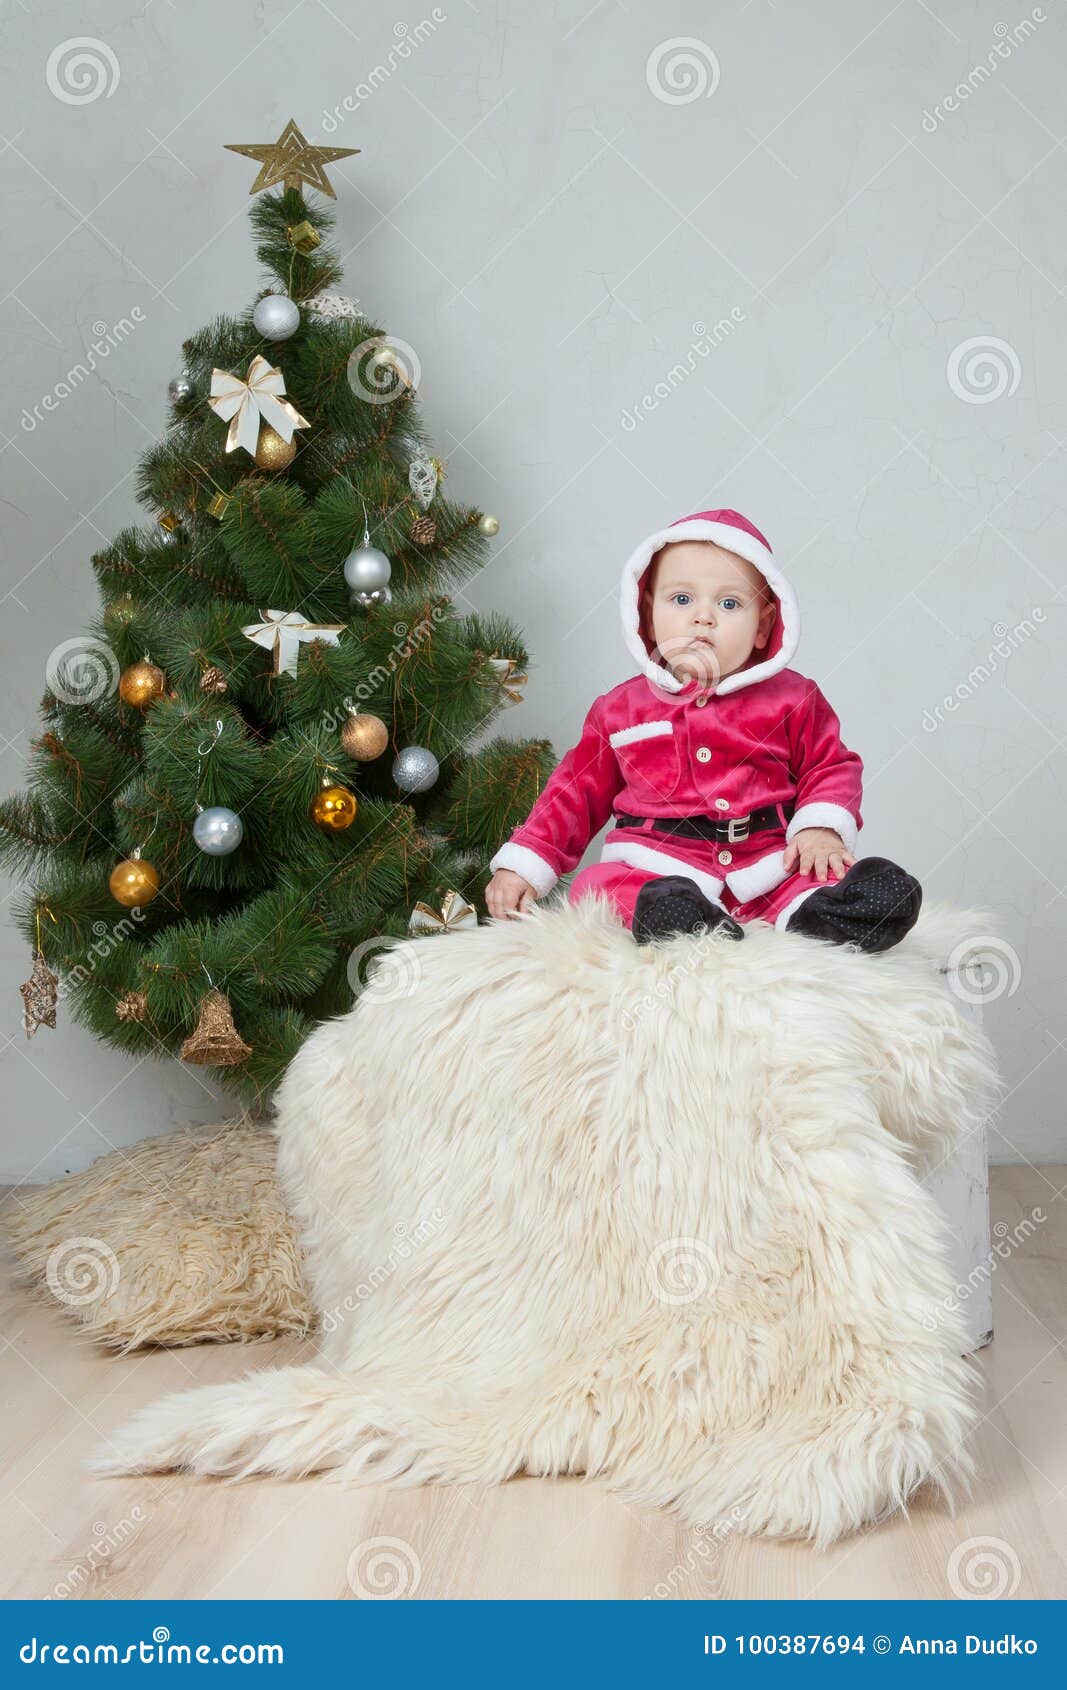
[761, 876]
[541, 875]
[660, 862]
[640, 730]
[733, 540]
[826, 815]
[781, 920]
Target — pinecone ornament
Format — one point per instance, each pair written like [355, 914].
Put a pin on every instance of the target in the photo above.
[424, 531]
[213, 680]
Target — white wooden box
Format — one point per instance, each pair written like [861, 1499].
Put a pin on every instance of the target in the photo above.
[961, 1186]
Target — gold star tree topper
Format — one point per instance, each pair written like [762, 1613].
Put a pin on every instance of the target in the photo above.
[292, 160]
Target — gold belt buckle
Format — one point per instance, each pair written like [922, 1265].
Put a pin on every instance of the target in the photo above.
[740, 824]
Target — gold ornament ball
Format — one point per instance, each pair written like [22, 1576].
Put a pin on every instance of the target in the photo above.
[272, 452]
[119, 614]
[364, 737]
[133, 883]
[141, 683]
[334, 808]
[489, 525]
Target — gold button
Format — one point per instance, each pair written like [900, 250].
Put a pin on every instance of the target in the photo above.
[722, 803]
[726, 856]
[703, 754]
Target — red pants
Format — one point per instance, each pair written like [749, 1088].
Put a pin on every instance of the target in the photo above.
[621, 883]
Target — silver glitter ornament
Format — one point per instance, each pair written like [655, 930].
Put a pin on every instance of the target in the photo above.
[415, 769]
[276, 317]
[218, 831]
[180, 388]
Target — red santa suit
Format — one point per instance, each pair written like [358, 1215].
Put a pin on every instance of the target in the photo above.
[660, 746]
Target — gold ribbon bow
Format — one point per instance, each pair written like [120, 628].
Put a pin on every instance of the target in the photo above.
[243, 403]
[455, 913]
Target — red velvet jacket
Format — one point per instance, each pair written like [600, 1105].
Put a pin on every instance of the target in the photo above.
[658, 746]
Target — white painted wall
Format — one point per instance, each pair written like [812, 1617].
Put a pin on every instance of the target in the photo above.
[554, 237]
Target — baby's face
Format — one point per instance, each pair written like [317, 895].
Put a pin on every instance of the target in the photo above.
[709, 610]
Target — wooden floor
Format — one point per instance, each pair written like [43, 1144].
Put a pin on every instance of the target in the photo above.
[70, 1534]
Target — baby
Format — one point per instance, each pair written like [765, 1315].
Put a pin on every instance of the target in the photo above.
[731, 795]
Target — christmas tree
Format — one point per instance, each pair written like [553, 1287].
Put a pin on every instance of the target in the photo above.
[255, 769]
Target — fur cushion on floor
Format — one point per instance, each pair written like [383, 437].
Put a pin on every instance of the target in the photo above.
[181, 1239]
[652, 1214]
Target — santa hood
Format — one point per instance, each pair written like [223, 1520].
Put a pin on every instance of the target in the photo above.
[735, 534]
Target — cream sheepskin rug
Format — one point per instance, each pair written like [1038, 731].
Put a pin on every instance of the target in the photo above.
[650, 1214]
[180, 1239]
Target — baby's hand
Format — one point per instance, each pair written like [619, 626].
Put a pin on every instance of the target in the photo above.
[508, 894]
[815, 850]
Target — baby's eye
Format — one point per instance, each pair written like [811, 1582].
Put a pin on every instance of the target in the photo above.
[728, 602]
[675, 597]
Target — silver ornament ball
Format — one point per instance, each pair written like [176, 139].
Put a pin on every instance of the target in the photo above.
[415, 769]
[366, 569]
[180, 388]
[276, 317]
[218, 831]
[378, 595]
[489, 525]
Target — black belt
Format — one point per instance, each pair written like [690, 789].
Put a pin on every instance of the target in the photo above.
[709, 827]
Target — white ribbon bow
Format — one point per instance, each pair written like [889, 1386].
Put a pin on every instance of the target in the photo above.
[283, 632]
[243, 403]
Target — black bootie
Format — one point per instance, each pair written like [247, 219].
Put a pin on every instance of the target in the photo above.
[873, 907]
[672, 903]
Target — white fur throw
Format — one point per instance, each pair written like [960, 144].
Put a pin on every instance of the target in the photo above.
[653, 1214]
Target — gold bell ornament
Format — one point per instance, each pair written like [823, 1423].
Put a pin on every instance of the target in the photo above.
[215, 1042]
